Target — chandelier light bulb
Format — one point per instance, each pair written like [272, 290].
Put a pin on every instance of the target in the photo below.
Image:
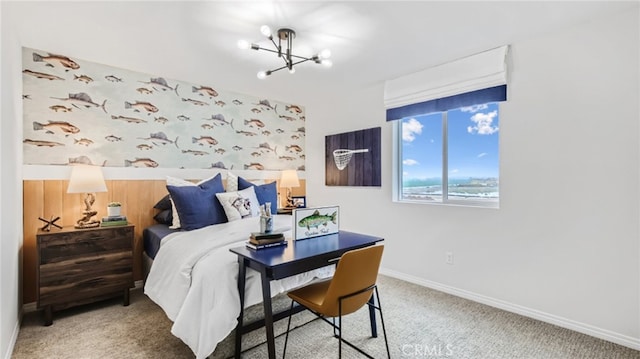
[262, 75]
[327, 63]
[292, 70]
[265, 30]
[244, 44]
[324, 54]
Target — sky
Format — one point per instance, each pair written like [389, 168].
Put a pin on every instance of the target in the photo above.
[473, 143]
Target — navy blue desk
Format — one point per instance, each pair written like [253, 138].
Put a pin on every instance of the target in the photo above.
[281, 262]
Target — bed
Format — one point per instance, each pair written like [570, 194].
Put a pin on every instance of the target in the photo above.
[193, 278]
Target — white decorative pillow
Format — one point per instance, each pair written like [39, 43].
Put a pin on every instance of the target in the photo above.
[232, 183]
[239, 204]
[178, 182]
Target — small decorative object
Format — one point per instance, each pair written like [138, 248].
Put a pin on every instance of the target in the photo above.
[113, 209]
[299, 201]
[316, 221]
[52, 222]
[87, 179]
[353, 158]
[266, 221]
[288, 179]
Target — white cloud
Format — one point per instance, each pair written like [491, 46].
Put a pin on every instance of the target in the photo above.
[474, 108]
[455, 170]
[483, 123]
[482, 154]
[409, 162]
[410, 129]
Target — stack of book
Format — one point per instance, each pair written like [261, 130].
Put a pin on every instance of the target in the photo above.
[259, 240]
[114, 221]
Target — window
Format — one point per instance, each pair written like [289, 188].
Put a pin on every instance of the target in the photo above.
[449, 157]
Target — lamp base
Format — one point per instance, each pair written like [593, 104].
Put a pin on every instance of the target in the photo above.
[87, 221]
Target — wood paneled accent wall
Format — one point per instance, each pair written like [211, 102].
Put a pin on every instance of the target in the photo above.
[47, 198]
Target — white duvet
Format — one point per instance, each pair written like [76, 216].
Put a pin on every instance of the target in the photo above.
[194, 280]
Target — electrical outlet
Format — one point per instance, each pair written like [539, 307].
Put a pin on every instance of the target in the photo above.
[449, 258]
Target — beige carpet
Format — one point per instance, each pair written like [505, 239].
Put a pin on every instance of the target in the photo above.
[421, 323]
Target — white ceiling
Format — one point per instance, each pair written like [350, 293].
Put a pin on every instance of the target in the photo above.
[374, 41]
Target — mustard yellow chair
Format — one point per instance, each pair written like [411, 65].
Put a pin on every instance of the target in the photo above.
[352, 286]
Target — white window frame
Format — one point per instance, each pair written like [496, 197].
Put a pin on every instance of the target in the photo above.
[396, 181]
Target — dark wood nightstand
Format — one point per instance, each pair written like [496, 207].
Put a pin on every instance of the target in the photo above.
[79, 266]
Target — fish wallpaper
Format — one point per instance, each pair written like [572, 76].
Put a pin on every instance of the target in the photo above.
[78, 111]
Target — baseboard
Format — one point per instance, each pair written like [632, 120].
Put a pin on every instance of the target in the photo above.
[12, 341]
[627, 341]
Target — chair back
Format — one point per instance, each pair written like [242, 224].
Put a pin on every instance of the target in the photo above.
[356, 271]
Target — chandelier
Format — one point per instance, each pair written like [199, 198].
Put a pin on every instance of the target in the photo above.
[283, 48]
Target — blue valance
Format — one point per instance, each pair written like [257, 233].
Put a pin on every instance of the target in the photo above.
[477, 97]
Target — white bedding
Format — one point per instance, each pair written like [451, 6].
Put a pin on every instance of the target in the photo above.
[194, 280]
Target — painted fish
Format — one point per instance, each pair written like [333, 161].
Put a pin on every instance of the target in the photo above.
[205, 140]
[161, 120]
[288, 118]
[256, 110]
[83, 142]
[144, 146]
[218, 165]
[295, 137]
[266, 132]
[293, 148]
[316, 220]
[82, 99]
[159, 82]
[83, 78]
[56, 59]
[286, 158]
[220, 103]
[266, 146]
[206, 126]
[236, 148]
[195, 102]
[26, 97]
[183, 118]
[128, 119]
[254, 166]
[195, 153]
[141, 162]
[256, 154]
[159, 138]
[42, 75]
[64, 127]
[144, 90]
[147, 106]
[219, 118]
[40, 143]
[205, 90]
[279, 130]
[112, 138]
[246, 133]
[112, 78]
[302, 130]
[254, 122]
[57, 108]
[220, 151]
[301, 168]
[237, 102]
[293, 109]
[265, 104]
[80, 160]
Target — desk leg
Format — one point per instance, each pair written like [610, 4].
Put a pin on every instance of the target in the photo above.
[268, 313]
[372, 317]
[242, 270]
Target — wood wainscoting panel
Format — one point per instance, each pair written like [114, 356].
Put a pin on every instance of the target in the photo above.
[49, 198]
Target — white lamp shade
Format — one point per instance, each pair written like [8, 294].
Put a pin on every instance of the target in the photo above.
[86, 179]
[289, 178]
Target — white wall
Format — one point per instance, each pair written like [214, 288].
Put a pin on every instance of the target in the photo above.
[563, 247]
[10, 200]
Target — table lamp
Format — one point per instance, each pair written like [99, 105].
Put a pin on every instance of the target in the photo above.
[87, 179]
[288, 179]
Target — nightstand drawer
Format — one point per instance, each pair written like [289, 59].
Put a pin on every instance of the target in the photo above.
[60, 246]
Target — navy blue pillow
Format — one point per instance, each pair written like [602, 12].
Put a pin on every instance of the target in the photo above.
[265, 193]
[197, 206]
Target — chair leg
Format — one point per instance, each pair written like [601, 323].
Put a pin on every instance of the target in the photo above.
[384, 330]
[286, 337]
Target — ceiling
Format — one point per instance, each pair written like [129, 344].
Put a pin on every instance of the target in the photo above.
[374, 41]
